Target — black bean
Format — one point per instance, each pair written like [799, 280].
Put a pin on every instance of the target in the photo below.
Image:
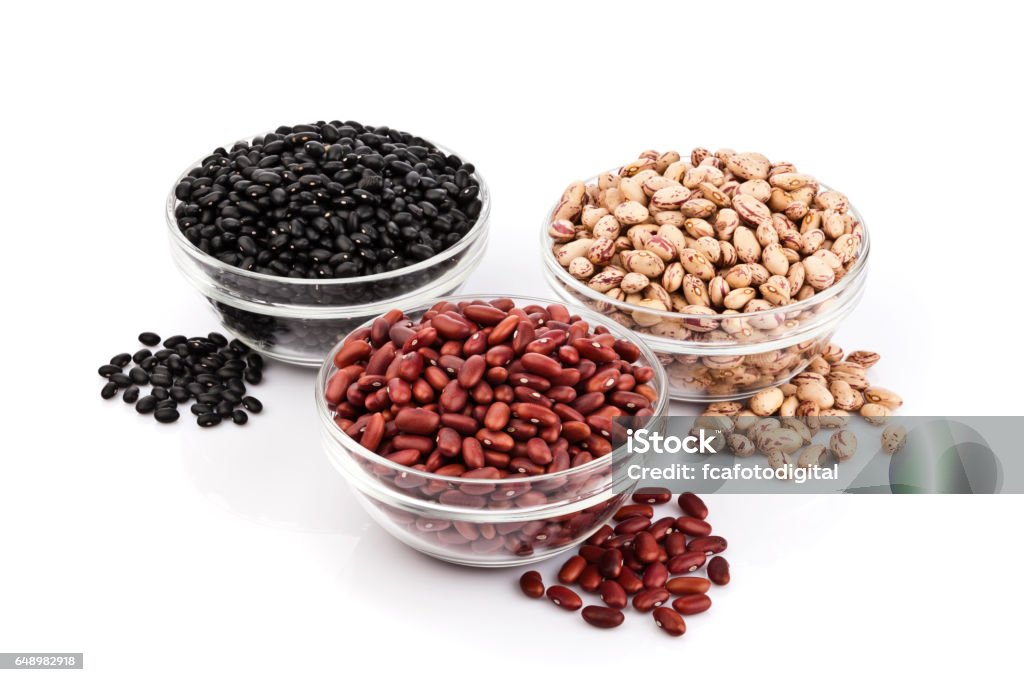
[253, 376]
[179, 393]
[149, 338]
[169, 403]
[149, 363]
[146, 404]
[209, 419]
[225, 408]
[174, 341]
[108, 370]
[139, 376]
[141, 355]
[199, 408]
[109, 390]
[130, 395]
[166, 415]
[121, 380]
[239, 417]
[288, 206]
[160, 379]
[252, 404]
[218, 339]
[160, 393]
[121, 359]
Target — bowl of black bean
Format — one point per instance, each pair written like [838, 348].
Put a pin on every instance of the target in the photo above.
[300, 235]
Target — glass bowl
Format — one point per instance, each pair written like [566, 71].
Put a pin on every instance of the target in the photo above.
[488, 522]
[710, 358]
[299, 320]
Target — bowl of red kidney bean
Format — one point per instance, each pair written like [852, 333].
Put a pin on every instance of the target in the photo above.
[299, 235]
[477, 429]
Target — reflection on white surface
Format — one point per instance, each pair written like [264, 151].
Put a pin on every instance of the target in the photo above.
[273, 470]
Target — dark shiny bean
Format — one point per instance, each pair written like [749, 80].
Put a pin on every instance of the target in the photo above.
[209, 419]
[130, 394]
[718, 570]
[149, 339]
[166, 415]
[146, 404]
[669, 621]
[532, 584]
[252, 404]
[239, 417]
[109, 390]
[138, 376]
[108, 370]
[121, 359]
[603, 616]
[565, 598]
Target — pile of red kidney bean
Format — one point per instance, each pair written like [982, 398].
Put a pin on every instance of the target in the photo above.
[650, 561]
[487, 389]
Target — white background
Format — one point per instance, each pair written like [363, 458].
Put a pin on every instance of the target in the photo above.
[174, 553]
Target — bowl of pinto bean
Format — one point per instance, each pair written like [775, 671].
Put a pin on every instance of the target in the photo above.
[478, 430]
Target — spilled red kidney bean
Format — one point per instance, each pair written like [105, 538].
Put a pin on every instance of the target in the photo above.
[644, 566]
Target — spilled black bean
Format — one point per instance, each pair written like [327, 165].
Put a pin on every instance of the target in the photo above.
[209, 419]
[207, 373]
[166, 415]
[146, 404]
[109, 390]
[252, 404]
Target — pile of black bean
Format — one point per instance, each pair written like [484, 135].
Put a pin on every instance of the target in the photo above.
[328, 200]
[208, 371]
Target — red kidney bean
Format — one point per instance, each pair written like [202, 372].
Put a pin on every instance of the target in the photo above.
[603, 616]
[497, 416]
[692, 526]
[571, 569]
[648, 599]
[610, 563]
[718, 570]
[472, 371]
[532, 584]
[543, 365]
[613, 594]
[633, 524]
[686, 562]
[473, 452]
[652, 495]
[645, 547]
[712, 544]
[600, 535]
[693, 506]
[669, 621]
[655, 575]
[590, 579]
[373, 433]
[688, 585]
[564, 597]
[352, 352]
[631, 510]
[662, 528]
[630, 581]
[692, 604]
[591, 553]
[417, 420]
[675, 544]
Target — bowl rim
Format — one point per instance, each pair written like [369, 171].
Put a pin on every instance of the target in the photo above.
[468, 239]
[853, 275]
[329, 426]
